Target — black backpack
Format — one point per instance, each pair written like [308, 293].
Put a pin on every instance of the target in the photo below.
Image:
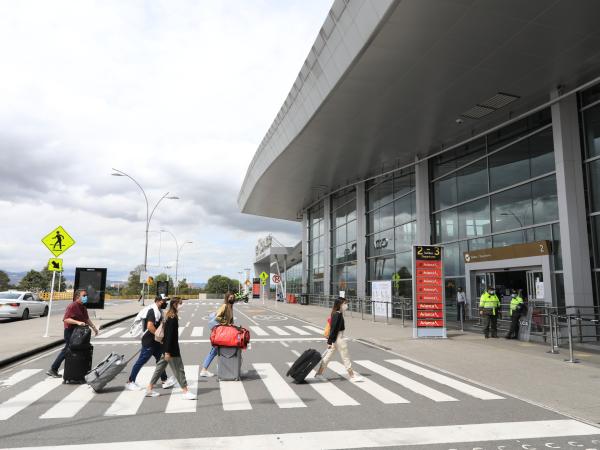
[80, 339]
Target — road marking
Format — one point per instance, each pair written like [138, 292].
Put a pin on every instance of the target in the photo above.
[128, 402]
[127, 335]
[329, 391]
[296, 352]
[278, 331]
[259, 331]
[197, 331]
[110, 333]
[202, 341]
[248, 317]
[22, 400]
[180, 330]
[297, 330]
[443, 379]
[177, 404]
[282, 393]
[233, 396]
[408, 383]
[71, 404]
[285, 344]
[370, 387]
[187, 324]
[315, 329]
[18, 377]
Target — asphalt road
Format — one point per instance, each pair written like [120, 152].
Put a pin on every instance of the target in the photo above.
[400, 403]
[58, 309]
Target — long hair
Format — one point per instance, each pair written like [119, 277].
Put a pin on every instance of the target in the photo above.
[226, 298]
[172, 312]
[337, 305]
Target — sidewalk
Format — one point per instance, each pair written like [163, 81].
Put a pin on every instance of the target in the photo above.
[523, 369]
[21, 337]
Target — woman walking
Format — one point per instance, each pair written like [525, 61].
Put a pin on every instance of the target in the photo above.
[224, 316]
[172, 354]
[336, 341]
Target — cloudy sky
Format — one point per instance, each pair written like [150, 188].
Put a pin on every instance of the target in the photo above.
[176, 93]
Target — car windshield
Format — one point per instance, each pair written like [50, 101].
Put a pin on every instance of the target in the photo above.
[9, 295]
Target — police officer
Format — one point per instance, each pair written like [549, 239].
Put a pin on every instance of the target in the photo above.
[489, 308]
[516, 309]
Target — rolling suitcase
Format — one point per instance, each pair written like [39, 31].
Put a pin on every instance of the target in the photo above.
[77, 364]
[304, 364]
[106, 371]
[230, 364]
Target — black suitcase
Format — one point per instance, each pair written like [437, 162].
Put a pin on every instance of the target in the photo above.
[304, 364]
[77, 364]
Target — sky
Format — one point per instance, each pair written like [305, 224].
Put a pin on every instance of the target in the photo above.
[178, 94]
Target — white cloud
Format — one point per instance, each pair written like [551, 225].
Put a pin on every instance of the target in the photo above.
[176, 93]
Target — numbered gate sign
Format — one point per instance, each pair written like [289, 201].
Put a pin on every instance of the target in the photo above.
[429, 310]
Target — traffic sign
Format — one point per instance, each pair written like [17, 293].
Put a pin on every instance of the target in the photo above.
[58, 241]
[276, 279]
[264, 276]
[55, 265]
[263, 282]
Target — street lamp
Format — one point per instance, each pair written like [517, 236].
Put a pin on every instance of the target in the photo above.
[179, 248]
[120, 173]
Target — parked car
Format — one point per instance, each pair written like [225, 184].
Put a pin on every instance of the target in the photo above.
[21, 305]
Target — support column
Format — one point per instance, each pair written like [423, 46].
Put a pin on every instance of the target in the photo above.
[361, 241]
[327, 246]
[571, 203]
[305, 252]
[423, 215]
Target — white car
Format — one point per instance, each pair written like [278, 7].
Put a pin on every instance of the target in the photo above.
[21, 305]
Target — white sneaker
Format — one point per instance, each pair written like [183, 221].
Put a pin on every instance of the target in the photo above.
[152, 394]
[168, 383]
[206, 373]
[132, 386]
[319, 377]
[357, 378]
[189, 395]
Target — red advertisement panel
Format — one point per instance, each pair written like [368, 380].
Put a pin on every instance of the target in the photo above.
[429, 288]
[433, 298]
[430, 306]
[435, 273]
[430, 314]
[429, 264]
[430, 323]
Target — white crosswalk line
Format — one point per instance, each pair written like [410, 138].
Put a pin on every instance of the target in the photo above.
[127, 335]
[180, 330]
[408, 383]
[22, 400]
[71, 404]
[370, 387]
[259, 331]
[282, 393]
[18, 377]
[296, 352]
[297, 330]
[233, 396]
[329, 391]
[128, 402]
[278, 331]
[177, 404]
[443, 379]
[107, 334]
[197, 331]
[314, 329]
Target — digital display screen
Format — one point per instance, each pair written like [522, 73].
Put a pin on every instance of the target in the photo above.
[94, 282]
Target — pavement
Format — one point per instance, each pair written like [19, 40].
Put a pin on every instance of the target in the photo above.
[404, 400]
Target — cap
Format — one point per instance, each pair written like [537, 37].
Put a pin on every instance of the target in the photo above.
[164, 297]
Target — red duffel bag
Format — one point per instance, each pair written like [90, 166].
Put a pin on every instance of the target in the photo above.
[229, 336]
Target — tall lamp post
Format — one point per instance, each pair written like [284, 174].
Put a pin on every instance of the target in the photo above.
[149, 214]
[179, 248]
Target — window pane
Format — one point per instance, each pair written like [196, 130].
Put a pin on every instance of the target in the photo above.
[462, 249]
[474, 219]
[545, 200]
[444, 192]
[404, 289]
[387, 216]
[509, 166]
[351, 231]
[451, 260]
[381, 268]
[594, 184]
[542, 233]
[404, 265]
[449, 225]
[506, 239]
[372, 218]
[591, 119]
[480, 243]
[404, 184]
[404, 210]
[405, 236]
[472, 181]
[541, 151]
[512, 209]
[380, 194]
[381, 243]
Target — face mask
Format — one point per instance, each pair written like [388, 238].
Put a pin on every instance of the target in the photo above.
[231, 302]
[163, 305]
[84, 299]
[344, 307]
[491, 292]
[514, 296]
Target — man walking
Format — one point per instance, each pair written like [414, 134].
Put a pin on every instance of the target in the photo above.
[489, 309]
[461, 301]
[76, 315]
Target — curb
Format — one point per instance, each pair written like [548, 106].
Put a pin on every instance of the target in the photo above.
[50, 345]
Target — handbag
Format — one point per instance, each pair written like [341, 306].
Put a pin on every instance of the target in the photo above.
[327, 329]
[159, 334]
[229, 336]
[80, 338]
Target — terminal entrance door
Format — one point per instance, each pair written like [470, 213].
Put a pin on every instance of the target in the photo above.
[482, 281]
[535, 285]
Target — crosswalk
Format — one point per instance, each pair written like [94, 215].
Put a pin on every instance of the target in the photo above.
[387, 382]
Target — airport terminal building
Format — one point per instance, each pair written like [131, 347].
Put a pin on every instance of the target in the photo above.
[474, 124]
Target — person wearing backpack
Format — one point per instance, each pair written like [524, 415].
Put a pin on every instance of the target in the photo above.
[224, 316]
[172, 353]
[336, 341]
[150, 347]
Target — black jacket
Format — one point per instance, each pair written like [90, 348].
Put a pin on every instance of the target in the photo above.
[337, 325]
[171, 342]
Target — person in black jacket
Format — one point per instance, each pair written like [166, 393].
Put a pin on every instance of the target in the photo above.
[336, 341]
[172, 354]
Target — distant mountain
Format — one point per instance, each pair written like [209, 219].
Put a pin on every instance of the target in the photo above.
[15, 277]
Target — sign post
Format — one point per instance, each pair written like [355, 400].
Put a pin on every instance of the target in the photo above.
[50, 305]
[263, 281]
[429, 308]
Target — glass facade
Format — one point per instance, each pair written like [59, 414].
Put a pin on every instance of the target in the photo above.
[316, 249]
[343, 242]
[293, 279]
[391, 229]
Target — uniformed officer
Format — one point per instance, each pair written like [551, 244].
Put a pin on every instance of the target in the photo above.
[489, 309]
[516, 310]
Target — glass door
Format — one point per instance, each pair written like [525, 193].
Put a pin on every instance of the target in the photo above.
[482, 281]
[535, 285]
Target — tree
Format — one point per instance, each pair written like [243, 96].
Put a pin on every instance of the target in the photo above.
[162, 277]
[58, 281]
[219, 284]
[32, 281]
[133, 282]
[182, 286]
[4, 281]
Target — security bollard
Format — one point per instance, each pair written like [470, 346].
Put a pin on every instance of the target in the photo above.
[570, 330]
[552, 349]
[402, 307]
[386, 313]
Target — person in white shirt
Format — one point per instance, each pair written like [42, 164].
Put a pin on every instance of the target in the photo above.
[461, 301]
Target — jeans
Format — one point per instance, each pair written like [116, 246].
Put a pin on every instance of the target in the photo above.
[61, 356]
[177, 367]
[342, 346]
[145, 355]
[209, 358]
[460, 307]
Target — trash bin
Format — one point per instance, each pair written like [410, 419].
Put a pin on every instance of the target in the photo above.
[304, 299]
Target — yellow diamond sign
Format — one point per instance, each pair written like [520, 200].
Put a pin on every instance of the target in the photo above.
[58, 241]
[55, 265]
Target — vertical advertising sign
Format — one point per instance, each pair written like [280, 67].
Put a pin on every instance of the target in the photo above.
[429, 310]
[381, 295]
[255, 287]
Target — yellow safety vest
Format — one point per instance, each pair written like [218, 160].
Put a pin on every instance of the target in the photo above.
[514, 303]
[488, 301]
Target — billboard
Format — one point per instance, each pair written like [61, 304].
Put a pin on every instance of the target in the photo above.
[94, 282]
[429, 310]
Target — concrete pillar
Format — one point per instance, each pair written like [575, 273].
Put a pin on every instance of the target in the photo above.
[571, 203]
[361, 240]
[305, 252]
[423, 236]
[327, 245]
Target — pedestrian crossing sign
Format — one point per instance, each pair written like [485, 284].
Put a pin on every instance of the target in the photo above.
[58, 241]
[55, 265]
[264, 276]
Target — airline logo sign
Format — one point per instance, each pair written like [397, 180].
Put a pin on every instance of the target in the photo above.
[429, 292]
